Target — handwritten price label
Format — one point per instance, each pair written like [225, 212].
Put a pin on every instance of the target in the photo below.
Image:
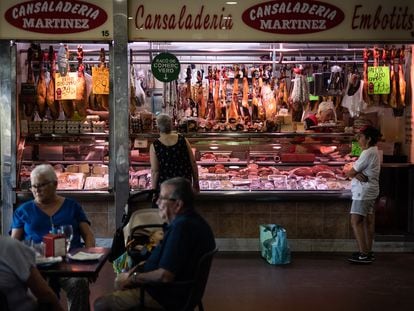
[100, 80]
[379, 80]
[65, 87]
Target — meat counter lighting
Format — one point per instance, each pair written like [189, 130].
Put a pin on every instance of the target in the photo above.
[213, 147]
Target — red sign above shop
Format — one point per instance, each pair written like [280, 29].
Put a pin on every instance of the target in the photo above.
[293, 17]
[56, 17]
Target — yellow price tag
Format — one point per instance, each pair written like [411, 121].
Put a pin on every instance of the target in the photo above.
[100, 80]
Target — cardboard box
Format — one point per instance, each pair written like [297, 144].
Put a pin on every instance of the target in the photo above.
[55, 245]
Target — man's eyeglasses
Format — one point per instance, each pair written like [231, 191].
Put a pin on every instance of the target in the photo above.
[160, 198]
[41, 186]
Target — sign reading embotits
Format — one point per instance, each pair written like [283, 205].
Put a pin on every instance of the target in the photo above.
[165, 67]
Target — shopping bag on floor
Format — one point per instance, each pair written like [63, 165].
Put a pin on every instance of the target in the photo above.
[274, 245]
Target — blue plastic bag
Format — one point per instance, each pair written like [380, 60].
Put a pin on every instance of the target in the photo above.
[274, 245]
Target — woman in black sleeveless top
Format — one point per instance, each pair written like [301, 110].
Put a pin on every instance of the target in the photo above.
[171, 156]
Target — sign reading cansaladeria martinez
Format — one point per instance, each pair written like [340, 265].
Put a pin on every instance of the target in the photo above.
[56, 19]
[277, 20]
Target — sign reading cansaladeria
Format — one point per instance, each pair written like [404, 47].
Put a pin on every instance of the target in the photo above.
[278, 20]
[60, 19]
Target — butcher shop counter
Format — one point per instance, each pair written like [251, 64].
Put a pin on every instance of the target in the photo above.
[273, 196]
[314, 220]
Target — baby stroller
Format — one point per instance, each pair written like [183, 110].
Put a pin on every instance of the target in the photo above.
[139, 223]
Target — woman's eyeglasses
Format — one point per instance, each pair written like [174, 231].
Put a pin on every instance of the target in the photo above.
[41, 186]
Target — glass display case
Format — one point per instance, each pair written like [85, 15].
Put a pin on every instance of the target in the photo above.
[80, 161]
[63, 114]
[257, 161]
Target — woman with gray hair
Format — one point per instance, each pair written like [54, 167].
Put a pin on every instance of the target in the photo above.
[171, 156]
[49, 211]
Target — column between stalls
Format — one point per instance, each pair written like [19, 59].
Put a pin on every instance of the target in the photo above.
[119, 137]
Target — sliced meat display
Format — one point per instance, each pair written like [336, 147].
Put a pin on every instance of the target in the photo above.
[301, 171]
[319, 168]
[326, 174]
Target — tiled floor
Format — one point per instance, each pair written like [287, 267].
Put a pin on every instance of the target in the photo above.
[313, 281]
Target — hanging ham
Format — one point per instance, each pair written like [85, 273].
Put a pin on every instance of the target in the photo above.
[233, 114]
[299, 96]
[402, 85]
[41, 93]
[244, 109]
[216, 93]
[81, 101]
[211, 112]
[393, 95]
[53, 104]
[255, 96]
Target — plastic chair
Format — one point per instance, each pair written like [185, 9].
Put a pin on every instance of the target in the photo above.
[197, 285]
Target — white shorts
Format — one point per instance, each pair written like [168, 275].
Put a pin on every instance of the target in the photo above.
[362, 207]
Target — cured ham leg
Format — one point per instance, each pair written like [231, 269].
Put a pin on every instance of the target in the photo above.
[401, 80]
[81, 101]
[255, 100]
[41, 94]
[269, 102]
[393, 95]
[244, 109]
[199, 97]
[260, 106]
[216, 94]
[233, 114]
[223, 96]
[68, 108]
[53, 104]
[211, 113]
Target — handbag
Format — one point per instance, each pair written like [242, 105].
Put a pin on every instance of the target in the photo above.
[274, 245]
[118, 245]
[118, 241]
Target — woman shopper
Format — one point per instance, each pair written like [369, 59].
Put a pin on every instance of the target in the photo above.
[171, 156]
[365, 189]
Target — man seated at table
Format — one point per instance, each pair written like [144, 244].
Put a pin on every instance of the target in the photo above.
[36, 218]
[187, 237]
[18, 273]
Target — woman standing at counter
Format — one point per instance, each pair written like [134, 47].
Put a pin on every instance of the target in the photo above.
[365, 189]
[171, 156]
